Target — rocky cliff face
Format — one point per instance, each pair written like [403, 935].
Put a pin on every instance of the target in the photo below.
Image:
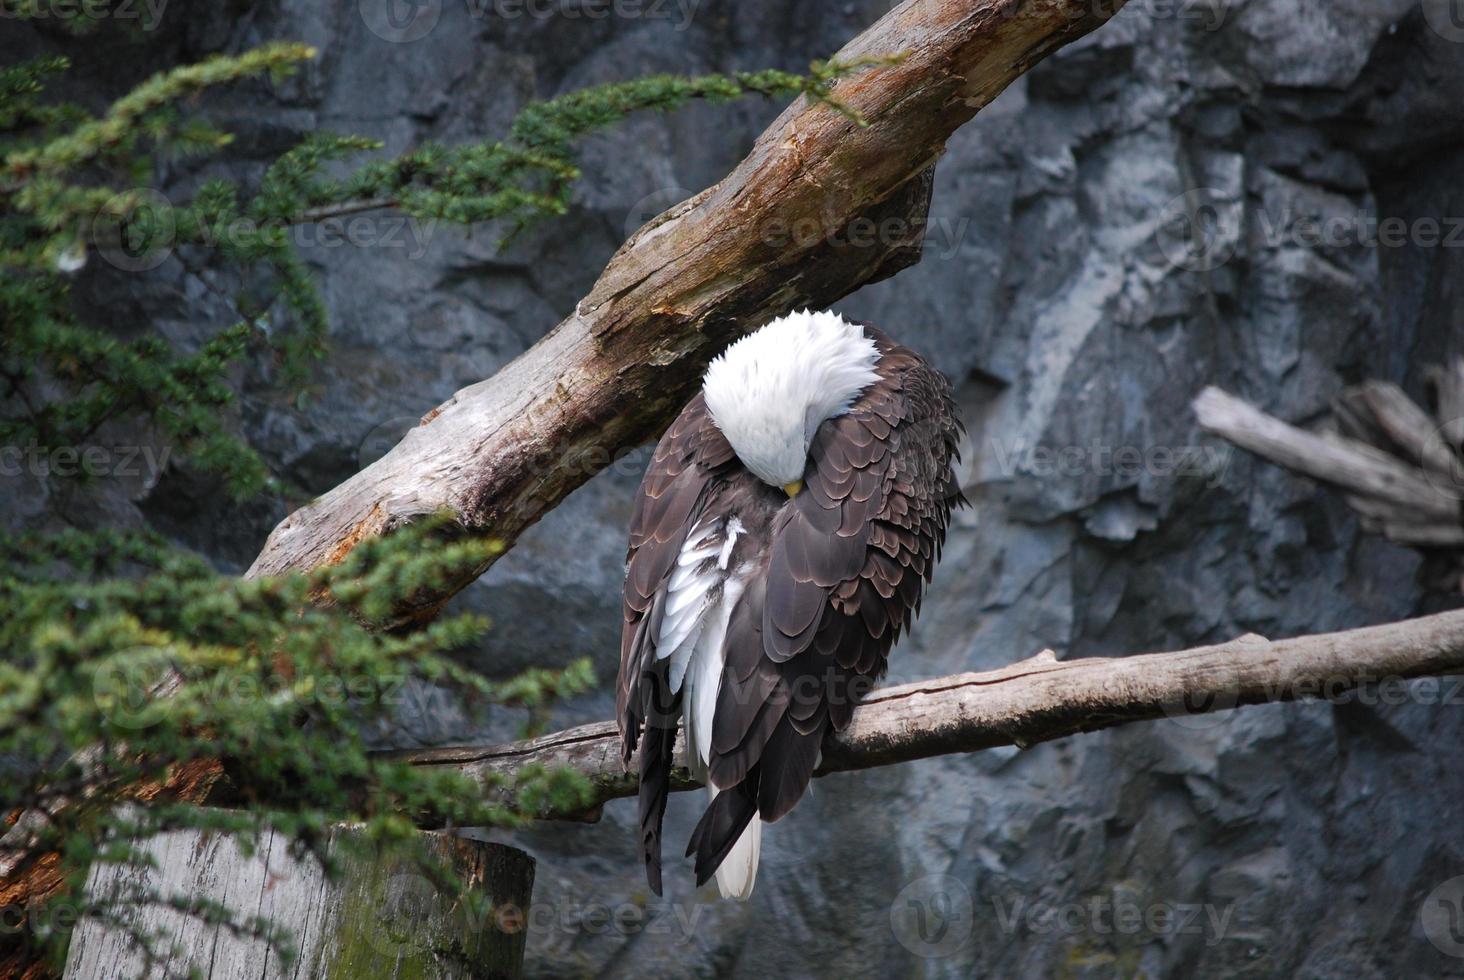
[1198, 193]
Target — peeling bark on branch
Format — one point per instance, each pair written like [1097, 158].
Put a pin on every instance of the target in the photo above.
[499, 454]
[1036, 700]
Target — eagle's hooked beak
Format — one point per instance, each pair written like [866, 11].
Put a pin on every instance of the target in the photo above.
[792, 489]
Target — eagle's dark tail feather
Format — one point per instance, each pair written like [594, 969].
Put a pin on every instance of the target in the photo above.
[657, 749]
[720, 827]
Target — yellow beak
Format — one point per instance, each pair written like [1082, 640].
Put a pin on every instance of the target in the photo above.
[792, 489]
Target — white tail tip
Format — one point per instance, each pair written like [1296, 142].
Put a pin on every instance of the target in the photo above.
[738, 872]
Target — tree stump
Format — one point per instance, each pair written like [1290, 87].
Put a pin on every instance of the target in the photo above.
[381, 918]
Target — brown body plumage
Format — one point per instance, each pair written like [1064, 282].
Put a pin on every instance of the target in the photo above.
[829, 579]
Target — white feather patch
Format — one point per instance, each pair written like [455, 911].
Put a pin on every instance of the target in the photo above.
[693, 626]
[734, 529]
[681, 656]
[704, 677]
[686, 598]
[693, 633]
[738, 871]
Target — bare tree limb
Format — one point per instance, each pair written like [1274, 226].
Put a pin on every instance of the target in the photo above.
[1036, 700]
[499, 454]
[1447, 384]
[1407, 427]
[1399, 469]
[1339, 460]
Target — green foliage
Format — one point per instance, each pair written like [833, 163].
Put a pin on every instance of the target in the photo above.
[68, 177]
[76, 185]
[126, 661]
[275, 679]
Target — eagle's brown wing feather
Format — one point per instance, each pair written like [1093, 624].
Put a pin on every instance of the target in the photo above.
[686, 463]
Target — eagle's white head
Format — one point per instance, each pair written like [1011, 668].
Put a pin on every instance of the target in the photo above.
[770, 391]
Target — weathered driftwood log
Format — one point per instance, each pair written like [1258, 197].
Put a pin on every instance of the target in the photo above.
[1400, 469]
[501, 453]
[1038, 700]
[380, 918]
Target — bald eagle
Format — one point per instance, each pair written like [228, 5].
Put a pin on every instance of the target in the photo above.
[780, 542]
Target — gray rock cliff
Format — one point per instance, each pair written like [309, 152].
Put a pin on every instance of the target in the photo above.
[1130, 222]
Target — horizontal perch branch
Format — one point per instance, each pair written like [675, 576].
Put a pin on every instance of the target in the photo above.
[1037, 700]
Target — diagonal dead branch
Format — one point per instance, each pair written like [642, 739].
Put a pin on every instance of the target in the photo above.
[499, 454]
